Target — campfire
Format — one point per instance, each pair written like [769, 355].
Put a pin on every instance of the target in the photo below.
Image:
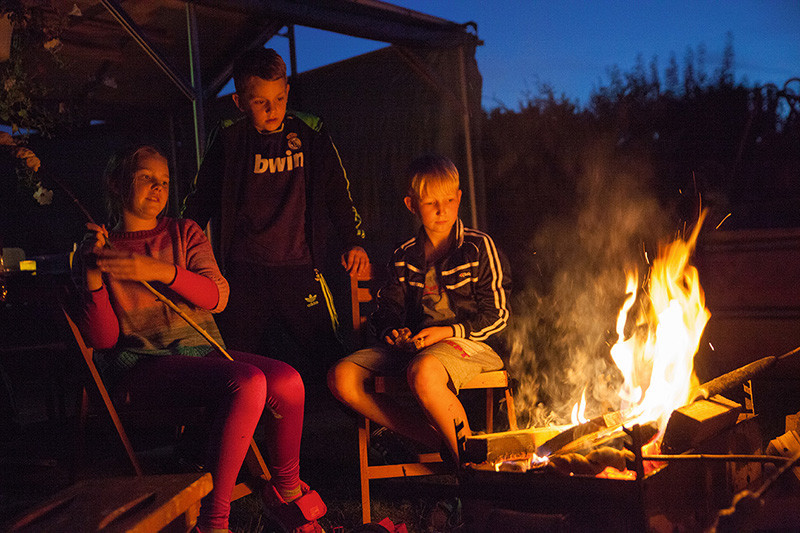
[659, 328]
[661, 409]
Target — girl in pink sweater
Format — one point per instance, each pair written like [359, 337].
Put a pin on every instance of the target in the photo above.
[150, 357]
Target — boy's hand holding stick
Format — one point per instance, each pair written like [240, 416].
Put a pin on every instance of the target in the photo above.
[426, 338]
[401, 338]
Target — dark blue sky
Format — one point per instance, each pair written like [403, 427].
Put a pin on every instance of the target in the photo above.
[569, 44]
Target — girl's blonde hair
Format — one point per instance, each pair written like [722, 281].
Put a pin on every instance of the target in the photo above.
[431, 175]
[118, 177]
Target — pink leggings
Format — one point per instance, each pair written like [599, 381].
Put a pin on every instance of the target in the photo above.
[236, 392]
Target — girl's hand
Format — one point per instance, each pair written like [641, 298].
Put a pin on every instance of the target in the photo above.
[134, 267]
[100, 235]
[400, 338]
[430, 336]
[93, 243]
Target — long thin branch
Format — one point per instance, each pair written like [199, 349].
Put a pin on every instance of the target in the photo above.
[163, 299]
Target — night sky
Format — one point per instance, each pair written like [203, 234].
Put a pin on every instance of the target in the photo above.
[570, 44]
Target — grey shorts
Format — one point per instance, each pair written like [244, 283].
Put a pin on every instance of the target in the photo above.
[462, 358]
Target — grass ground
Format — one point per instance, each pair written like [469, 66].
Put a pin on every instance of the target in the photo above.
[36, 456]
[329, 463]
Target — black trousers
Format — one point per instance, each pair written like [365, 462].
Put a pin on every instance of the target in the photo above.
[282, 312]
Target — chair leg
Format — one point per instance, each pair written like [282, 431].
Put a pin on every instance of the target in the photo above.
[489, 410]
[191, 515]
[79, 460]
[363, 467]
[512, 413]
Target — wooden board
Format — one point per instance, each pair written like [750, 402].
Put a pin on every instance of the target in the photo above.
[691, 424]
[142, 504]
[506, 444]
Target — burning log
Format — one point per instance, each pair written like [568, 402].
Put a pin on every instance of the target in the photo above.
[734, 378]
[494, 447]
[593, 462]
[611, 437]
[573, 433]
[691, 424]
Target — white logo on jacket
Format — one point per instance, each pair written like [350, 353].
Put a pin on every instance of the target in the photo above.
[278, 164]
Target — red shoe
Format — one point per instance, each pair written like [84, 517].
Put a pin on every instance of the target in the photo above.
[297, 516]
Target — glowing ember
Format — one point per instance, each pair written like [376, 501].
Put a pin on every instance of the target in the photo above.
[657, 359]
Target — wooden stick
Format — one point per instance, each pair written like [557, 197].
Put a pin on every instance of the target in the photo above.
[169, 303]
[719, 458]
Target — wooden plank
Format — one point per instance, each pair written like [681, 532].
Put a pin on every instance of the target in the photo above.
[691, 424]
[506, 444]
[408, 470]
[495, 379]
[140, 504]
[787, 445]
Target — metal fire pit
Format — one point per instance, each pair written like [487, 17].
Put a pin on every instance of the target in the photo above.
[683, 494]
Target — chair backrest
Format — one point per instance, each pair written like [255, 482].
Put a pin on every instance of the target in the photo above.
[361, 300]
[360, 294]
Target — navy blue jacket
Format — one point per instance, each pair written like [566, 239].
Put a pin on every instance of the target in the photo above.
[217, 187]
[475, 277]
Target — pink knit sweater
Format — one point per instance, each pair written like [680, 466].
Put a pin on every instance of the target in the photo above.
[126, 317]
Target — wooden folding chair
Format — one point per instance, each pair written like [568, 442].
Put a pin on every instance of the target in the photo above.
[257, 467]
[361, 294]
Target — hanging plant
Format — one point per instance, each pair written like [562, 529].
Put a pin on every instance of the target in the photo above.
[29, 47]
[26, 167]
[33, 49]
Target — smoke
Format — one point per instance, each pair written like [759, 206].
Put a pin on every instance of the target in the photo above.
[563, 325]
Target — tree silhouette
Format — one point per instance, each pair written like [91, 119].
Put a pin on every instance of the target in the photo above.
[576, 195]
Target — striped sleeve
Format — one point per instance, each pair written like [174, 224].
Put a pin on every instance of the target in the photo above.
[492, 290]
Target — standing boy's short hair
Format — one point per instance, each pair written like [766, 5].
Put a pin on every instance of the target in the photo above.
[118, 176]
[263, 63]
[430, 175]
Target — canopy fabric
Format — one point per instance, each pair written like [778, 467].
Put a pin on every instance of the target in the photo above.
[128, 66]
[129, 57]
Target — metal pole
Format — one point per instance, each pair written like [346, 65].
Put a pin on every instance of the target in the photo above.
[175, 182]
[197, 85]
[473, 208]
[125, 21]
[292, 49]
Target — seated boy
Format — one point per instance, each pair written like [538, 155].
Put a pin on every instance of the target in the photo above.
[445, 302]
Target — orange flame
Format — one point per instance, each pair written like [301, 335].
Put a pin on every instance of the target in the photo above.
[579, 410]
[657, 360]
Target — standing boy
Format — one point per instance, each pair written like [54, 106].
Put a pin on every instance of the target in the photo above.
[445, 301]
[275, 188]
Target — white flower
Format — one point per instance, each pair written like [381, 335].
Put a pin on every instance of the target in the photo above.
[42, 195]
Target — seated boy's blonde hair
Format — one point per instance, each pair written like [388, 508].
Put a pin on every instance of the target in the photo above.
[431, 175]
